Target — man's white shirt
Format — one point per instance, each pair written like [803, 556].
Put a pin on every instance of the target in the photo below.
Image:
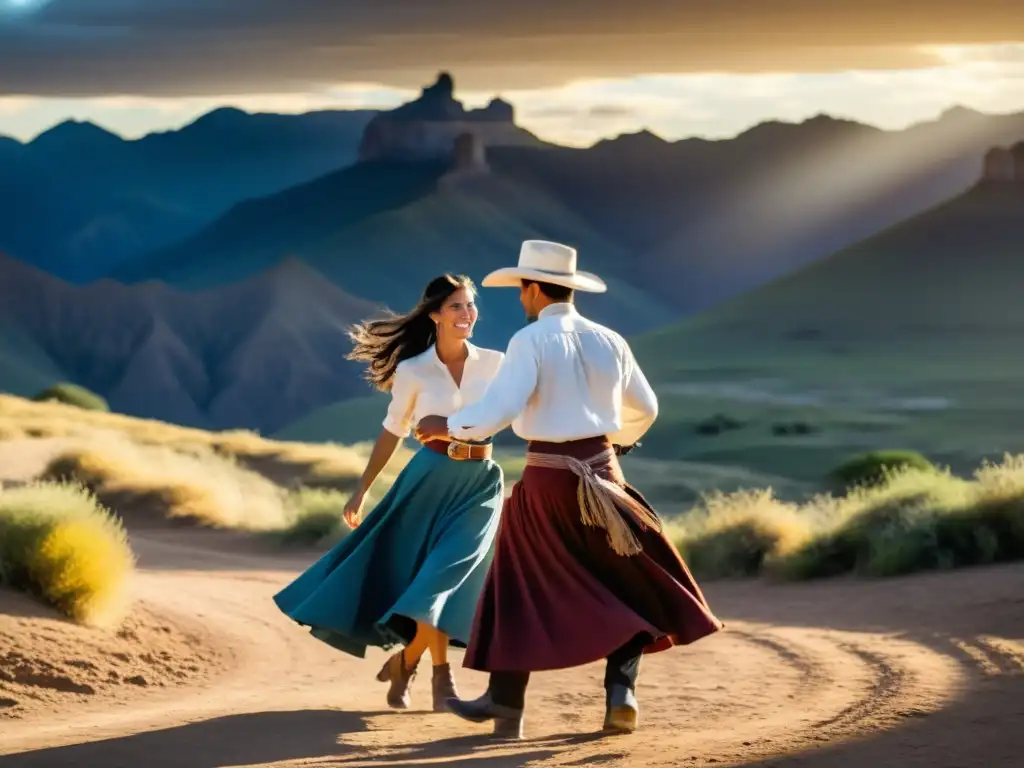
[563, 378]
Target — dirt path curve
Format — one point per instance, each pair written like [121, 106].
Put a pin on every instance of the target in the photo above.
[924, 671]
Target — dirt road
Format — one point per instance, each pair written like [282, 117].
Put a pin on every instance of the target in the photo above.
[922, 671]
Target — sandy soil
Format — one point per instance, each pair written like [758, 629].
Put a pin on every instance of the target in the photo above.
[921, 671]
[48, 664]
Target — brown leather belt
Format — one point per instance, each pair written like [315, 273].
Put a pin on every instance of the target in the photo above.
[460, 451]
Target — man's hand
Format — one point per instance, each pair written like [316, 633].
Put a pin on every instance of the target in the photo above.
[431, 428]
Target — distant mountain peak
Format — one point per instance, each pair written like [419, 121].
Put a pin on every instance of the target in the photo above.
[77, 131]
[220, 116]
[959, 112]
[643, 137]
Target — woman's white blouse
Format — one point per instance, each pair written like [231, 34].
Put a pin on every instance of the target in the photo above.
[423, 386]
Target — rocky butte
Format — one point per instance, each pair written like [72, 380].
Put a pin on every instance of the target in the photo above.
[436, 126]
[1003, 165]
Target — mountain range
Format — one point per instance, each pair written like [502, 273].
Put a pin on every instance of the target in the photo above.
[78, 199]
[236, 320]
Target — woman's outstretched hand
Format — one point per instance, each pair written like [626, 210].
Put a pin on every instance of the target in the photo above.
[354, 509]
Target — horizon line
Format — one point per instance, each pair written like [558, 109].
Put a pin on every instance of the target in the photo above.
[954, 108]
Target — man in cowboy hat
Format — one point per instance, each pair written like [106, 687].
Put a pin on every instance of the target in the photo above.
[582, 570]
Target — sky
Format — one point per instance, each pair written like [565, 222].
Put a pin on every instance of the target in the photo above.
[697, 68]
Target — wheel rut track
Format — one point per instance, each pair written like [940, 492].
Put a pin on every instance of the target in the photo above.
[816, 685]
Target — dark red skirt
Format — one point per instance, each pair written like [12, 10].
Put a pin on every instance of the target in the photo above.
[558, 596]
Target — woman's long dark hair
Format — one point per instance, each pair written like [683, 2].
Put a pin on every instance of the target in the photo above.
[387, 341]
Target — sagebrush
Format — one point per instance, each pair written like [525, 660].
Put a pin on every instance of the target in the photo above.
[915, 519]
[59, 544]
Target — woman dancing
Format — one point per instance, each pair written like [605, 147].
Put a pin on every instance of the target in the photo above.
[412, 571]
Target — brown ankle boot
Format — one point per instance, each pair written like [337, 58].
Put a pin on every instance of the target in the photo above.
[395, 672]
[444, 687]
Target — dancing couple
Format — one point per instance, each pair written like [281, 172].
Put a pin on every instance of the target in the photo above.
[574, 567]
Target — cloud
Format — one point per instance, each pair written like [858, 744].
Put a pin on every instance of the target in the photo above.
[596, 111]
[210, 47]
[986, 78]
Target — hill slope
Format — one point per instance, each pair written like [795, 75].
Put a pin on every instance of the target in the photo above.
[384, 229]
[953, 271]
[911, 338]
[258, 354]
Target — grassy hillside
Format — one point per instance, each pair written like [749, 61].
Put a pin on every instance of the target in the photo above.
[911, 338]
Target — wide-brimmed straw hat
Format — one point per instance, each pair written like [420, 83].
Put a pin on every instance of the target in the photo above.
[546, 262]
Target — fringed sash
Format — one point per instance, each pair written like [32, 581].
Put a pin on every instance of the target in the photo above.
[601, 500]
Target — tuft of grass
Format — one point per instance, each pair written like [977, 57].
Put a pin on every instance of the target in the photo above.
[875, 467]
[72, 394]
[872, 529]
[60, 545]
[914, 520]
[740, 534]
[159, 483]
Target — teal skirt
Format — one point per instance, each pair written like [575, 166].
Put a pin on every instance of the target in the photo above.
[420, 555]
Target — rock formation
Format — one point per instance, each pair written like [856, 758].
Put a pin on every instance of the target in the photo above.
[1002, 165]
[430, 127]
[469, 154]
[998, 165]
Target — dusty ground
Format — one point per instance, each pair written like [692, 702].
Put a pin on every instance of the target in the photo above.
[922, 671]
[48, 663]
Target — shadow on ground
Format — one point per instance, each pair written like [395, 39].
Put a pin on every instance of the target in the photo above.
[478, 752]
[282, 737]
[993, 709]
[236, 740]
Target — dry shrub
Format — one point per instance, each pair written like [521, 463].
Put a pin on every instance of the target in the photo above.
[59, 544]
[916, 519]
[739, 534]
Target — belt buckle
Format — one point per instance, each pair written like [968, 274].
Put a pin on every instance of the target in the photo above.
[453, 447]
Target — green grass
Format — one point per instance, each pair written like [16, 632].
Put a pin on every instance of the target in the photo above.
[874, 467]
[915, 520]
[908, 338]
[60, 545]
[72, 394]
